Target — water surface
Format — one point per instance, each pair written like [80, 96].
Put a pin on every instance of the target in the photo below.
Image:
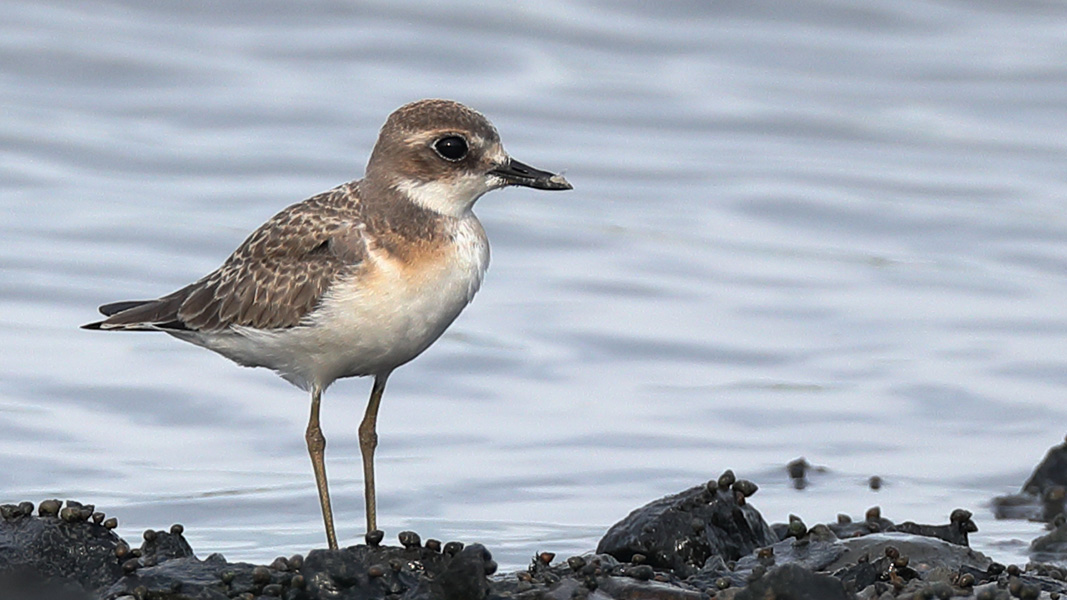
[823, 229]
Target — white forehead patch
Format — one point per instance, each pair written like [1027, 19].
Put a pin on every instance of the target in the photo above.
[496, 154]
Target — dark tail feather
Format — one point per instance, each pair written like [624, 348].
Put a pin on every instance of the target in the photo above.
[116, 307]
[142, 315]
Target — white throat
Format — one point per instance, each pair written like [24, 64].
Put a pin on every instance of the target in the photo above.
[453, 198]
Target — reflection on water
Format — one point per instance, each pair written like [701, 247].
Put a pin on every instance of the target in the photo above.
[823, 229]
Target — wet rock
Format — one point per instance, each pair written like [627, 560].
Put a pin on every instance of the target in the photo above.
[798, 472]
[1044, 494]
[415, 572]
[705, 542]
[1050, 472]
[864, 574]
[31, 586]
[1048, 577]
[164, 546]
[1053, 503]
[923, 553]
[954, 533]
[680, 532]
[1017, 506]
[873, 522]
[207, 579]
[71, 550]
[626, 587]
[465, 576]
[1051, 547]
[796, 583]
[857, 562]
[810, 553]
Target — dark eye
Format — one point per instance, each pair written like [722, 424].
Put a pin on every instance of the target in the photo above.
[451, 148]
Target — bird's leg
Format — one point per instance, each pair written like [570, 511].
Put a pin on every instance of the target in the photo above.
[368, 440]
[316, 448]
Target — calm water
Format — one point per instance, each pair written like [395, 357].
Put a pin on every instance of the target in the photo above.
[830, 229]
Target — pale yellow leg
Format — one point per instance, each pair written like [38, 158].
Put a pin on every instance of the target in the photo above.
[368, 441]
[316, 448]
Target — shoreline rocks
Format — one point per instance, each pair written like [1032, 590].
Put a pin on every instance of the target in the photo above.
[704, 542]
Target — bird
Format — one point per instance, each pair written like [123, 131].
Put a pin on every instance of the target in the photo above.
[355, 281]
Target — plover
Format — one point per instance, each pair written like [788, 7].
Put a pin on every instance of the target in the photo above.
[358, 280]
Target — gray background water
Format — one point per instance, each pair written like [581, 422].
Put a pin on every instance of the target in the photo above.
[831, 229]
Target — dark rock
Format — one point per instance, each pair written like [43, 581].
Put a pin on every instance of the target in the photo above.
[164, 546]
[812, 554]
[1049, 473]
[953, 533]
[77, 551]
[798, 471]
[680, 532]
[194, 578]
[703, 542]
[780, 530]
[923, 552]
[1017, 506]
[625, 587]
[793, 582]
[465, 577]
[413, 572]
[859, 575]
[873, 522]
[1044, 494]
[26, 585]
[1051, 547]
[716, 574]
[1047, 577]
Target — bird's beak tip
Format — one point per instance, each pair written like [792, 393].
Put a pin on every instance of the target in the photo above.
[514, 172]
[559, 182]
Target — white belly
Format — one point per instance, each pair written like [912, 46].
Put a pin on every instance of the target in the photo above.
[370, 323]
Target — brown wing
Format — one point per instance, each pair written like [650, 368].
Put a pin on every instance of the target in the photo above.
[274, 279]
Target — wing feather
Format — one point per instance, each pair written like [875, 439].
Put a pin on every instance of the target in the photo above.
[273, 280]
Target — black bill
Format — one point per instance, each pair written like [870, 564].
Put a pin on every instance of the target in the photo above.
[517, 173]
